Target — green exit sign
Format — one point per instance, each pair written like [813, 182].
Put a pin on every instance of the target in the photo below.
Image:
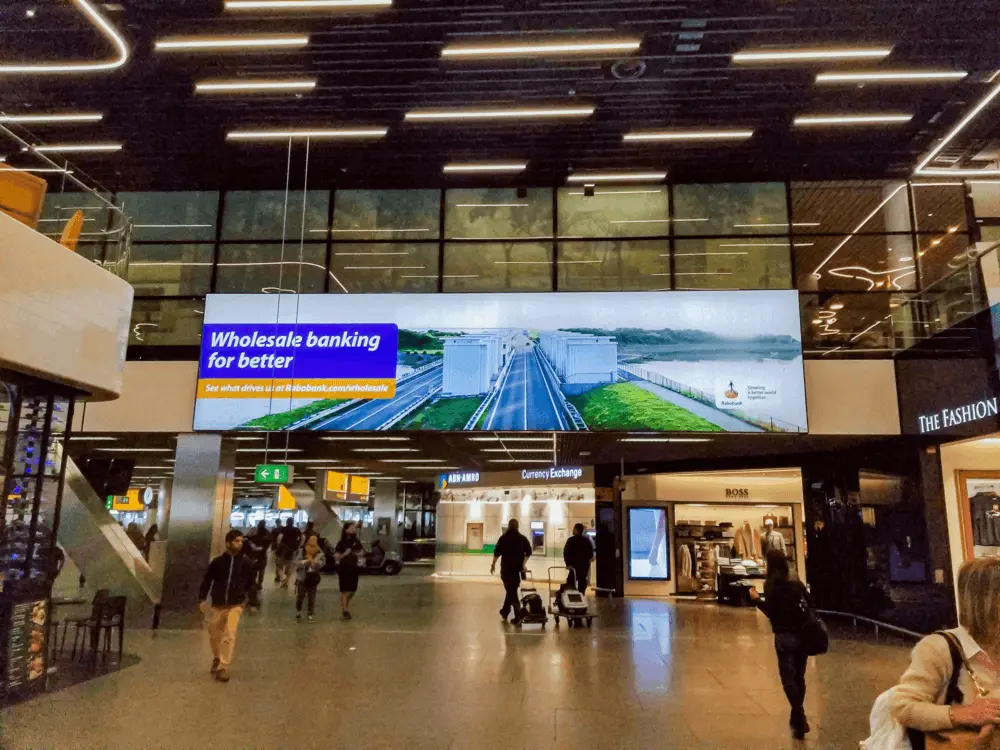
[273, 474]
[109, 502]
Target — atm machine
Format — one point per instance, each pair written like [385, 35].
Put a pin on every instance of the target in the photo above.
[537, 535]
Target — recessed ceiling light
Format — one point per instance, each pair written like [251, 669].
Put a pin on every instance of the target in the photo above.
[485, 167]
[53, 118]
[688, 135]
[930, 172]
[369, 438]
[385, 450]
[616, 176]
[541, 48]
[252, 86]
[29, 13]
[498, 113]
[851, 119]
[230, 42]
[511, 438]
[323, 133]
[304, 4]
[520, 461]
[75, 147]
[809, 55]
[413, 460]
[277, 451]
[516, 450]
[137, 450]
[891, 76]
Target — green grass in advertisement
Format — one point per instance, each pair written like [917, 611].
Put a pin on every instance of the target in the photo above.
[444, 414]
[626, 406]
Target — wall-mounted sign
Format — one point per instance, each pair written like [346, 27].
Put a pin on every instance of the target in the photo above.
[344, 487]
[129, 502]
[674, 361]
[958, 416]
[741, 493]
[561, 475]
[274, 474]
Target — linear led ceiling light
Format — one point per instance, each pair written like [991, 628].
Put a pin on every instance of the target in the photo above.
[498, 113]
[53, 118]
[324, 133]
[587, 177]
[810, 55]
[486, 167]
[78, 147]
[891, 76]
[983, 103]
[812, 120]
[106, 29]
[252, 86]
[578, 47]
[305, 5]
[688, 135]
[233, 43]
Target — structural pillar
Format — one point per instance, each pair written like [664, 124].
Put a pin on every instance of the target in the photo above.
[200, 505]
[385, 507]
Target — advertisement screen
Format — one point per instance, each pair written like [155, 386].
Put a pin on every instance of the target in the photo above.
[657, 361]
[647, 544]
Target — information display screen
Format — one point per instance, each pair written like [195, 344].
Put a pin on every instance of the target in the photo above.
[657, 361]
[647, 544]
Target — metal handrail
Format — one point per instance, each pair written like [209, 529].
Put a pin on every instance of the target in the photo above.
[877, 624]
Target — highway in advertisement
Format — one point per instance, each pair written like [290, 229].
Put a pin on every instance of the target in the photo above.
[526, 399]
[372, 414]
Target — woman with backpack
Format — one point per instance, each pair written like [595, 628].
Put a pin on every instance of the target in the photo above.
[952, 685]
[789, 608]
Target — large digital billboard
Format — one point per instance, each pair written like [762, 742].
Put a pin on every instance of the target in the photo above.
[657, 361]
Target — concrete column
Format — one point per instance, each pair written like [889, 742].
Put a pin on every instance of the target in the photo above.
[200, 505]
[385, 507]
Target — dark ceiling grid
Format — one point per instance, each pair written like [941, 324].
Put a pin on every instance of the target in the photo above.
[374, 66]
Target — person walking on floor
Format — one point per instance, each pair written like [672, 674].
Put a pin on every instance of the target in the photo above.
[153, 535]
[309, 561]
[255, 547]
[288, 541]
[346, 555]
[513, 550]
[228, 578]
[787, 603]
[577, 554]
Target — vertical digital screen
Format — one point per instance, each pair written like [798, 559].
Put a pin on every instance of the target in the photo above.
[647, 544]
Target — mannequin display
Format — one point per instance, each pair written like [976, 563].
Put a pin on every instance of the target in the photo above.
[747, 542]
[771, 538]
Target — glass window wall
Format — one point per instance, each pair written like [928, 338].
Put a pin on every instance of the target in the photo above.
[498, 213]
[255, 268]
[386, 215]
[640, 211]
[609, 265]
[736, 208]
[267, 215]
[166, 322]
[173, 216]
[171, 270]
[733, 263]
[384, 267]
[498, 267]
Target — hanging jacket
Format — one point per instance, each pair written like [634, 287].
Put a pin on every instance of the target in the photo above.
[747, 542]
[685, 561]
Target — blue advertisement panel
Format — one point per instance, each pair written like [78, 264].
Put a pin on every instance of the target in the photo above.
[657, 361]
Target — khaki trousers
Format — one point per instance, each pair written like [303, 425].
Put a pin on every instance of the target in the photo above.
[222, 624]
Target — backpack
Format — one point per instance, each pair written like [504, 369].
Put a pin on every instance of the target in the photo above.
[887, 733]
[532, 604]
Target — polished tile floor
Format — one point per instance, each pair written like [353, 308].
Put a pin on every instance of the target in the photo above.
[426, 663]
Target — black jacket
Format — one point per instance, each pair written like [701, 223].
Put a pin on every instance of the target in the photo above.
[786, 604]
[229, 578]
[513, 548]
[578, 552]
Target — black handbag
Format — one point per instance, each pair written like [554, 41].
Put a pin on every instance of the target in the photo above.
[813, 633]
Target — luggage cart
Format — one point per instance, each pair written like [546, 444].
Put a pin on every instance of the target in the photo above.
[571, 618]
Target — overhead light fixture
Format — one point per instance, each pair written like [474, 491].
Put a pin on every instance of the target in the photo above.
[235, 43]
[498, 113]
[663, 440]
[687, 135]
[305, 4]
[106, 30]
[253, 86]
[413, 461]
[136, 450]
[485, 167]
[891, 76]
[43, 170]
[385, 450]
[321, 133]
[980, 106]
[851, 119]
[516, 450]
[269, 450]
[513, 439]
[373, 438]
[616, 176]
[53, 118]
[74, 147]
[960, 172]
[578, 47]
[810, 55]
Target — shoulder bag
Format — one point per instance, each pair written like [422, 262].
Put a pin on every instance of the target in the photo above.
[960, 738]
[813, 633]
